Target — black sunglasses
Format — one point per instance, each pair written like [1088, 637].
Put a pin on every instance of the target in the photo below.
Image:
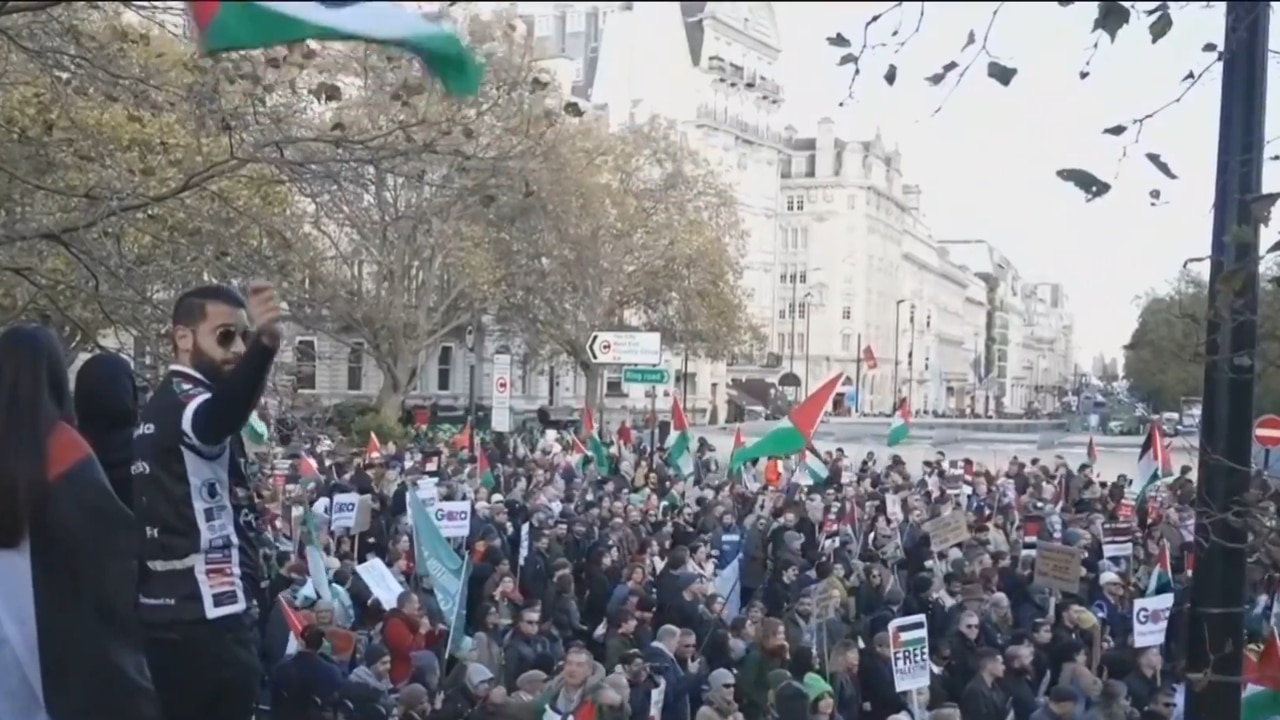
[226, 337]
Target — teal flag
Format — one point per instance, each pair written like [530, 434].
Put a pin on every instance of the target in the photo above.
[435, 558]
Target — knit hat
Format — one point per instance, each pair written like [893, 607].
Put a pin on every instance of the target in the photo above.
[791, 701]
[531, 680]
[776, 678]
[815, 687]
[413, 695]
[719, 678]
[374, 654]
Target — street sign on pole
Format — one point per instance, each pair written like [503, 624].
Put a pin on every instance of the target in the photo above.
[501, 398]
[646, 376]
[1266, 431]
[909, 650]
[470, 338]
[608, 347]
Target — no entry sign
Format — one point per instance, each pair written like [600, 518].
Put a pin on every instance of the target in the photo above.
[1266, 431]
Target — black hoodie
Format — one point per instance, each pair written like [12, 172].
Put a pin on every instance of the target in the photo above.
[106, 411]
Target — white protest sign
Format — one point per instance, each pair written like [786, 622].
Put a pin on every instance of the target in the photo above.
[342, 513]
[909, 647]
[382, 584]
[1151, 619]
[453, 517]
[428, 492]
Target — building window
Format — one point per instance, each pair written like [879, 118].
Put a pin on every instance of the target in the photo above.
[542, 25]
[791, 309]
[444, 368]
[802, 309]
[782, 313]
[804, 238]
[803, 277]
[782, 342]
[782, 276]
[575, 22]
[846, 313]
[613, 384]
[795, 203]
[799, 203]
[791, 275]
[846, 341]
[355, 367]
[799, 342]
[304, 363]
[795, 238]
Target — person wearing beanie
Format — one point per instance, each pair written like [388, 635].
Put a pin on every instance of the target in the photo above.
[529, 685]
[821, 697]
[369, 685]
[413, 703]
[790, 701]
[717, 701]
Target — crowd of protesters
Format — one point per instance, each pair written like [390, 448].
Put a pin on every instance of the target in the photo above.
[598, 587]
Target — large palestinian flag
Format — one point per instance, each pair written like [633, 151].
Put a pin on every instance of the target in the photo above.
[228, 26]
[680, 456]
[794, 433]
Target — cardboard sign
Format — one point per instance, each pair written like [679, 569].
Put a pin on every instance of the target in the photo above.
[1117, 538]
[949, 530]
[1058, 567]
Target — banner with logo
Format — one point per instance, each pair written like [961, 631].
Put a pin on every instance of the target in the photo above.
[350, 511]
[1151, 619]
[436, 559]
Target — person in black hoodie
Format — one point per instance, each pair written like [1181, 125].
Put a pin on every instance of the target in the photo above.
[68, 555]
[106, 413]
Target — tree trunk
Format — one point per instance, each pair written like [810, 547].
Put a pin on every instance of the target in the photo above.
[595, 387]
[398, 376]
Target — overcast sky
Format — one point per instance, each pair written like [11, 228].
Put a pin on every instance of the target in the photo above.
[986, 162]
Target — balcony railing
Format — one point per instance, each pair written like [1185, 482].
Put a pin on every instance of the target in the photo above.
[738, 124]
[751, 80]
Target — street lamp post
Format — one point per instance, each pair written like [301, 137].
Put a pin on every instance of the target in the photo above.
[808, 337]
[911, 356]
[791, 363]
[897, 338]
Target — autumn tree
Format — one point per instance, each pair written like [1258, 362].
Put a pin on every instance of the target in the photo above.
[392, 241]
[1164, 359]
[629, 229]
[120, 183]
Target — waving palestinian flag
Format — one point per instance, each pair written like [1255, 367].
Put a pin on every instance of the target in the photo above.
[680, 457]
[1262, 681]
[228, 26]
[794, 433]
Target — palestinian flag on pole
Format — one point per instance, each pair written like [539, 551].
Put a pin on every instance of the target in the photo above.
[1261, 692]
[810, 469]
[1161, 581]
[598, 453]
[295, 624]
[579, 454]
[373, 450]
[1152, 461]
[1092, 452]
[900, 426]
[680, 456]
[462, 441]
[229, 26]
[794, 433]
[484, 473]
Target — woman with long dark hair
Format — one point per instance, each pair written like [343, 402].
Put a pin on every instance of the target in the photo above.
[70, 644]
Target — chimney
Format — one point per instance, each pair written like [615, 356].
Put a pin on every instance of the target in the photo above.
[825, 160]
[911, 197]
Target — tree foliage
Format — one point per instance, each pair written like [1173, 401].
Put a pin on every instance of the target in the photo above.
[1164, 360]
[131, 168]
[115, 187]
[875, 47]
[630, 229]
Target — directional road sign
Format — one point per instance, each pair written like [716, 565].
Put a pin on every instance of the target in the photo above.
[607, 347]
[500, 401]
[1266, 431]
[646, 376]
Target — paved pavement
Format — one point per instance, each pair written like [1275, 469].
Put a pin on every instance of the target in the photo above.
[1113, 457]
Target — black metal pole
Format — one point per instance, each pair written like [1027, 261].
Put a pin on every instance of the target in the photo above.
[684, 380]
[791, 364]
[653, 427]
[808, 340]
[1215, 638]
[911, 356]
[857, 379]
[477, 357]
[897, 337]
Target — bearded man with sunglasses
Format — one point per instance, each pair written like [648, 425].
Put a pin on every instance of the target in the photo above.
[192, 497]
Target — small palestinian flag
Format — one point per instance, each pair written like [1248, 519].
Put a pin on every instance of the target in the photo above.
[1261, 694]
[229, 26]
[1092, 452]
[598, 452]
[1161, 581]
[680, 456]
[900, 426]
[483, 472]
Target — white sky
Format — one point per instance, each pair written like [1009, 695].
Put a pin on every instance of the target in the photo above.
[986, 162]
